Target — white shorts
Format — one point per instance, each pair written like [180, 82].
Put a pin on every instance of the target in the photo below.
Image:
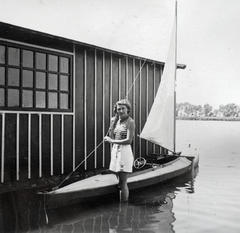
[121, 158]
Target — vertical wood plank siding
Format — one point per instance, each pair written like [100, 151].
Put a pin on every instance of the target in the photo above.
[17, 148]
[2, 121]
[46, 144]
[79, 104]
[35, 149]
[57, 142]
[29, 145]
[40, 145]
[99, 110]
[105, 79]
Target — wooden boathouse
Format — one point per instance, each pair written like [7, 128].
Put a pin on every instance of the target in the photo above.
[56, 101]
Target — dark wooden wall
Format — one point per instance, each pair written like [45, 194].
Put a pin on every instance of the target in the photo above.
[36, 144]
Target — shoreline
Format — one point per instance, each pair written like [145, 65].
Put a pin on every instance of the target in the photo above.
[194, 118]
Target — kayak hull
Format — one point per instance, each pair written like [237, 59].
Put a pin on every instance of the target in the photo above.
[104, 184]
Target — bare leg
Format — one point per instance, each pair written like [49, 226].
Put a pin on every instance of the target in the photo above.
[123, 186]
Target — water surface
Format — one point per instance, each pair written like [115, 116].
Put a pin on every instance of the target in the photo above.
[204, 200]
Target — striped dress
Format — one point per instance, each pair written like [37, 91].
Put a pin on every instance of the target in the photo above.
[121, 155]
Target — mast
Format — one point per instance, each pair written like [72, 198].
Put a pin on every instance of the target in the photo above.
[174, 110]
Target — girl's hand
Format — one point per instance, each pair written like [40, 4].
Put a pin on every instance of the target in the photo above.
[107, 139]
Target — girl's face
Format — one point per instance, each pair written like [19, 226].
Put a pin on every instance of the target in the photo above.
[122, 111]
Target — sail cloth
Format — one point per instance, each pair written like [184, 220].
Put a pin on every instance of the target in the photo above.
[160, 125]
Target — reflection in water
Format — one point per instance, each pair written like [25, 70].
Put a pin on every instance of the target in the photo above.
[20, 211]
[147, 216]
[149, 210]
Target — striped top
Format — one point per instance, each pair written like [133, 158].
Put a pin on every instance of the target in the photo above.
[120, 130]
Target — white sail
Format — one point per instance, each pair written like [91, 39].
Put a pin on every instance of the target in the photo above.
[160, 125]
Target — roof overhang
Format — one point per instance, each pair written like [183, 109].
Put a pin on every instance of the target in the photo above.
[10, 29]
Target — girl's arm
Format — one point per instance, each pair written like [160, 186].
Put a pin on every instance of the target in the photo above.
[113, 123]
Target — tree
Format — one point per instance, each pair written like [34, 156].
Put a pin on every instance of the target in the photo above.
[229, 110]
[187, 109]
[207, 109]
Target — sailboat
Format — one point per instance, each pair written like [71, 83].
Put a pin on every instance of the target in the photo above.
[158, 129]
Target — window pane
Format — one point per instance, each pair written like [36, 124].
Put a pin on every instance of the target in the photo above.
[64, 83]
[40, 80]
[13, 98]
[2, 97]
[34, 79]
[64, 64]
[27, 78]
[27, 58]
[52, 100]
[40, 99]
[41, 61]
[14, 56]
[53, 63]
[27, 99]
[64, 101]
[2, 54]
[52, 82]
[13, 77]
[2, 76]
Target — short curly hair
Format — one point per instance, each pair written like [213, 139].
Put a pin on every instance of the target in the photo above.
[124, 102]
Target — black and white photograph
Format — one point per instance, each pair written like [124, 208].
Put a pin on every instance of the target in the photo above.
[119, 116]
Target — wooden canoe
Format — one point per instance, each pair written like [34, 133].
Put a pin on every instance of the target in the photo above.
[103, 184]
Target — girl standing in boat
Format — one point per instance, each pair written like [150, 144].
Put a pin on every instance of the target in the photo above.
[121, 155]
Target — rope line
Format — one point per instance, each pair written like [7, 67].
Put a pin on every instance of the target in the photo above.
[106, 133]
[73, 171]
[130, 88]
[67, 177]
[80, 163]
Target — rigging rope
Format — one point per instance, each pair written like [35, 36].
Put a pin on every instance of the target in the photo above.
[45, 203]
[81, 163]
[130, 88]
[102, 140]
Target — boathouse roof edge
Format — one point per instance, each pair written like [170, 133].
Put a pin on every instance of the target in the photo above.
[9, 27]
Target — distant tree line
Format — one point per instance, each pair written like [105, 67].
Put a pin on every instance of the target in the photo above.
[186, 109]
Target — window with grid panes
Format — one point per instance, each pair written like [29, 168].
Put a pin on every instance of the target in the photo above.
[34, 79]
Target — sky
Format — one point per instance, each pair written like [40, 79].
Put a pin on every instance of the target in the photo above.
[209, 43]
[208, 39]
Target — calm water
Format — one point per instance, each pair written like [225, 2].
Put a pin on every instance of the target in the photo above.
[204, 200]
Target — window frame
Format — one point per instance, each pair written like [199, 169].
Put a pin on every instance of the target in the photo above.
[60, 72]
